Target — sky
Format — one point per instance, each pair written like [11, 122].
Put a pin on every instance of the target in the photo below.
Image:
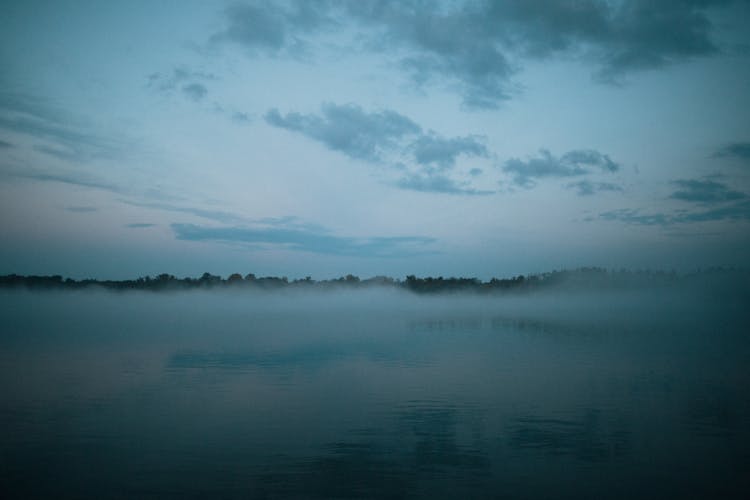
[321, 138]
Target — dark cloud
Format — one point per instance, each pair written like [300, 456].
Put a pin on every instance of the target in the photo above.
[437, 183]
[273, 27]
[643, 34]
[704, 191]
[5, 145]
[739, 150]
[442, 43]
[195, 91]
[60, 153]
[81, 209]
[432, 150]
[588, 188]
[66, 138]
[475, 172]
[481, 44]
[736, 211]
[349, 129]
[478, 46]
[571, 164]
[139, 225]
[306, 241]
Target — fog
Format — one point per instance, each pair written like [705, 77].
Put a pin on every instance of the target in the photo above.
[376, 391]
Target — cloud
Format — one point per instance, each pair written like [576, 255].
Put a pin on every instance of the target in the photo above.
[571, 164]
[643, 35]
[588, 188]
[5, 145]
[65, 137]
[139, 225]
[430, 149]
[190, 82]
[241, 117]
[68, 178]
[736, 211]
[388, 137]
[215, 215]
[478, 46]
[273, 27]
[81, 209]
[349, 129]
[635, 217]
[306, 241]
[195, 91]
[436, 183]
[165, 82]
[224, 217]
[738, 150]
[442, 43]
[704, 191]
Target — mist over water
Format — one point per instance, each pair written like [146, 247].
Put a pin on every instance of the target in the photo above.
[375, 393]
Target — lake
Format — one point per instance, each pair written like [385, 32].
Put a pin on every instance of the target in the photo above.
[374, 393]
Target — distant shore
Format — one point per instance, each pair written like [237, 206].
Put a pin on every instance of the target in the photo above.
[583, 278]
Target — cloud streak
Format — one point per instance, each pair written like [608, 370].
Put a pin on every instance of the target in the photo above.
[214, 215]
[306, 241]
[704, 191]
[437, 183]
[81, 209]
[67, 178]
[737, 211]
[65, 138]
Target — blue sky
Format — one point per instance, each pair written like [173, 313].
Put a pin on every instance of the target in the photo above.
[330, 137]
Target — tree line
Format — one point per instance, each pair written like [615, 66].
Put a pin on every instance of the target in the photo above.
[589, 277]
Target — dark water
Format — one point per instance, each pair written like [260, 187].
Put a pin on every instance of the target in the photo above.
[373, 394]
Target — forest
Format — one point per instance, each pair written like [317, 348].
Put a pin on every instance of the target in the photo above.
[593, 278]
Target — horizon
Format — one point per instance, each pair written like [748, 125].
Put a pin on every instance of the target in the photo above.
[587, 276]
[292, 138]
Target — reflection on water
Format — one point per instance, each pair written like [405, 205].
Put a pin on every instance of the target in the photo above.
[363, 395]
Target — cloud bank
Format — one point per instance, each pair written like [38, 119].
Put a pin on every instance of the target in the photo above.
[478, 46]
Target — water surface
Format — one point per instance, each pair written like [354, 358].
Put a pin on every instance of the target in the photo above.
[373, 394]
